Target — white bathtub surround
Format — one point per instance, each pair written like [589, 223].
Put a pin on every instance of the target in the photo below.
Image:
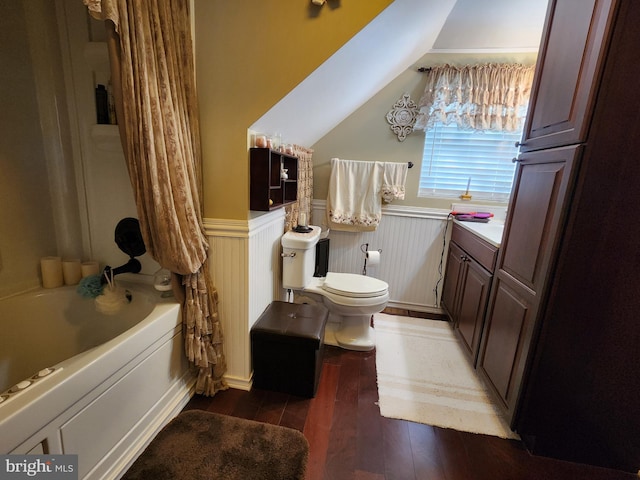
[123, 376]
[412, 241]
[56, 127]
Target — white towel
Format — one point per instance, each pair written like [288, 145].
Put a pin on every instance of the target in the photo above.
[354, 202]
[393, 181]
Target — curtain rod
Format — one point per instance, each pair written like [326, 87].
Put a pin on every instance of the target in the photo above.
[428, 69]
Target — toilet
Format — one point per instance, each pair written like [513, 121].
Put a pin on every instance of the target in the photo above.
[350, 298]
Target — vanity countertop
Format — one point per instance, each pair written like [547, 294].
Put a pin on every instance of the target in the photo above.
[490, 232]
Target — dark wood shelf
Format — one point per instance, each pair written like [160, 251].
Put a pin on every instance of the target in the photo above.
[268, 190]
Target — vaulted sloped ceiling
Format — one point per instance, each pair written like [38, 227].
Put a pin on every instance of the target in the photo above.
[393, 42]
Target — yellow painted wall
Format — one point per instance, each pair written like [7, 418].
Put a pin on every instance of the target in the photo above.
[250, 54]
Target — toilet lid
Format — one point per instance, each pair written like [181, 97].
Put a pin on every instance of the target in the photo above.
[354, 285]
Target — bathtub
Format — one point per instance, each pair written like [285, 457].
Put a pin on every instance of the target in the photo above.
[76, 381]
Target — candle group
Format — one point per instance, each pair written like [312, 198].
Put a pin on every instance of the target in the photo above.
[57, 272]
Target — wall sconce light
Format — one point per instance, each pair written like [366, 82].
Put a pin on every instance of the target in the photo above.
[318, 2]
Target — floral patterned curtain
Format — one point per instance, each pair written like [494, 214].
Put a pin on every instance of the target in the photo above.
[153, 77]
[478, 97]
[302, 207]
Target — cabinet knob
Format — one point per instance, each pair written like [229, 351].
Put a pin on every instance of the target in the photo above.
[520, 144]
[516, 159]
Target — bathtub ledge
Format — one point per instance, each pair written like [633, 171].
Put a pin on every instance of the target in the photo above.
[24, 385]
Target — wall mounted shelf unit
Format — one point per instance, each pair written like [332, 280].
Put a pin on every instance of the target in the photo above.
[268, 190]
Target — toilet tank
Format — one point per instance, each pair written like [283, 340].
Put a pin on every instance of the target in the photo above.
[299, 257]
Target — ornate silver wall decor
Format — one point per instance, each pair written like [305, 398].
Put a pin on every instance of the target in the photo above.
[402, 117]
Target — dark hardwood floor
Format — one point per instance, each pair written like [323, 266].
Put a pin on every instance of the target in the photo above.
[350, 440]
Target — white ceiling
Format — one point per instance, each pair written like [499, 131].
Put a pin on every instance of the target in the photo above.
[508, 25]
[397, 38]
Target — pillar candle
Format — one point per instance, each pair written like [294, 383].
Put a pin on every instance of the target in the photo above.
[90, 267]
[71, 271]
[51, 268]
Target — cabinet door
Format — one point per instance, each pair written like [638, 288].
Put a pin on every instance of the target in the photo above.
[455, 262]
[536, 216]
[474, 292]
[536, 212]
[567, 73]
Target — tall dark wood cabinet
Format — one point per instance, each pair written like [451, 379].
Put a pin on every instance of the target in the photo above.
[536, 216]
[561, 345]
[569, 64]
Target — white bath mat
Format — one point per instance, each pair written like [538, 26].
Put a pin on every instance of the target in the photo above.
[425, 377]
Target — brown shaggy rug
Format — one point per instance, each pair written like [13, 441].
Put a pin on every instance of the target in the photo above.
[199, 445]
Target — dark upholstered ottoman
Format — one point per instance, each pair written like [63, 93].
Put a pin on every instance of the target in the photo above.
[287, 343]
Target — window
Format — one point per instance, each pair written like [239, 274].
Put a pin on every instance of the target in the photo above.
[452, 156]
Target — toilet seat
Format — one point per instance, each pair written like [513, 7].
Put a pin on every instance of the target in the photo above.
[354, 286]
[379, 295]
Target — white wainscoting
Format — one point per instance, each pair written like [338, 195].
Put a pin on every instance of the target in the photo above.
[412, 243]
[245, 269]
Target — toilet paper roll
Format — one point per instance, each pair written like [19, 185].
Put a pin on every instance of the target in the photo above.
[90, 268]
[51, 268]
[373, 258]
[71, 271]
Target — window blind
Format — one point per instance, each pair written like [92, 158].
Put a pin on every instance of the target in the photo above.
[452, 156]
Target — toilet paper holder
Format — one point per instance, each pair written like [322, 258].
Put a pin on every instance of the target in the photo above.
[365, 249]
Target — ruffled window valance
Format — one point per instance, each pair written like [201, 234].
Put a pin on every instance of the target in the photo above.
[476, 97]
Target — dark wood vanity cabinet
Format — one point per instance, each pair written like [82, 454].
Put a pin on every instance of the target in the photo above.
[563, 94]
[452, 276]
[465, 293]
[560, 345]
